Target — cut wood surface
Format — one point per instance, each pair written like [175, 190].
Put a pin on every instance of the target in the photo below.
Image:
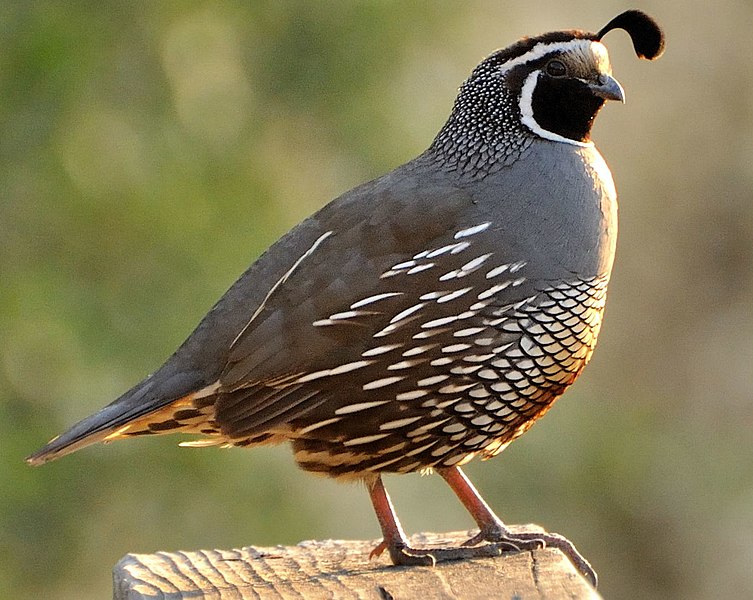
[338, 569]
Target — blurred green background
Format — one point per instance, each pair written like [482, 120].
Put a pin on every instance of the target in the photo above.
[150, 151]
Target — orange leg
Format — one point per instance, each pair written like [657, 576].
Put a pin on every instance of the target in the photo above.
[395, 541]
[492, 530]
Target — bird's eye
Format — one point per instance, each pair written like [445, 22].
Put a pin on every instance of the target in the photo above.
[556, 68]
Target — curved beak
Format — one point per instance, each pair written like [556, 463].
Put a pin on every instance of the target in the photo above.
[608, 88]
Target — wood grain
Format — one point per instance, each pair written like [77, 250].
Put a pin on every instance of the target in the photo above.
[338, 569]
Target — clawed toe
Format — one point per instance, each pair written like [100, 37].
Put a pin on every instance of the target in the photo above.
[497, 543]
[381, 547]
[502, 537]
[407, 556]
[507, 540]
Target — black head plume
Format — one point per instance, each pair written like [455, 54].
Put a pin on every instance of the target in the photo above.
[647, 36]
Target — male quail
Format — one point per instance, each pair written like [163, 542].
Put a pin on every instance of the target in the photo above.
[426, 317]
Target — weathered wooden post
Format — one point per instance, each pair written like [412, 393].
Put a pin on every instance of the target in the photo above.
[337, 569]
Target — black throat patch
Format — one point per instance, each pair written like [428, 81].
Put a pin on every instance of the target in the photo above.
[566, 107]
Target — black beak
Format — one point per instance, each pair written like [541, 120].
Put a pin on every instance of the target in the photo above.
[608, 88]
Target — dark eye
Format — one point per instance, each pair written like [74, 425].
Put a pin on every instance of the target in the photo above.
[556, 68]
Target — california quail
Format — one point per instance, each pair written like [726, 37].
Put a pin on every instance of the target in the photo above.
[426, 317]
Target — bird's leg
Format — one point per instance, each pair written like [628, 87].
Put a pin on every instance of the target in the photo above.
[393, 538]
[395, 541]
[491, 529]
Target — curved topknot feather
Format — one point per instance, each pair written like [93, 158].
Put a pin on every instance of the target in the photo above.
[647, 36]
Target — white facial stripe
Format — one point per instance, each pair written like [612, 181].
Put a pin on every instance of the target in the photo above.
[601, 57]
[587, 47]
[526, 114]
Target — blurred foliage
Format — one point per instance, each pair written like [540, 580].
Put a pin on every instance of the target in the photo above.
[149, 151]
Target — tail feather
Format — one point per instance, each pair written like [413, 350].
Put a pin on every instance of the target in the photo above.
[141, 410]
[101, 425]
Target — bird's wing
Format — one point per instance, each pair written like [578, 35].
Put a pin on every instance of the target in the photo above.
[255, 333]
[349, 296]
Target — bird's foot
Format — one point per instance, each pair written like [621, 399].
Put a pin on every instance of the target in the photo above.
[499, 535]
[403, 554]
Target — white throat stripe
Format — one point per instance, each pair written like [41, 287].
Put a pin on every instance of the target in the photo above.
[526, 114]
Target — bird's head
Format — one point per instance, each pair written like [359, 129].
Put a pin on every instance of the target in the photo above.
[550, 86]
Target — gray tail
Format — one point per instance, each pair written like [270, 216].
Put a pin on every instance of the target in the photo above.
[96, 428]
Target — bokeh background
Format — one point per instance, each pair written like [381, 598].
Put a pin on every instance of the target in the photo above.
[150, 151]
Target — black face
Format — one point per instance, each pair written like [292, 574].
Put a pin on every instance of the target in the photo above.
[564, 105]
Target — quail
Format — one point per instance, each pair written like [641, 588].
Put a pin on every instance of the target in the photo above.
[424, 318]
